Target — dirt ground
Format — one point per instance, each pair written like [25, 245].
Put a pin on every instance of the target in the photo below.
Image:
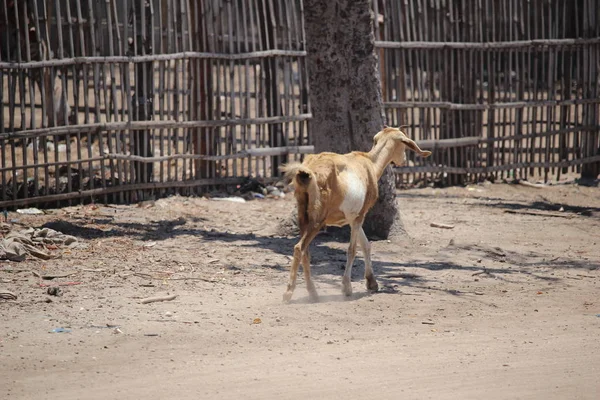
[506, 305]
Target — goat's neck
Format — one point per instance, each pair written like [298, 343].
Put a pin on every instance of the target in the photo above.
[381, 156]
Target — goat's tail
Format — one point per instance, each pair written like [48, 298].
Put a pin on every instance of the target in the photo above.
[304, 180]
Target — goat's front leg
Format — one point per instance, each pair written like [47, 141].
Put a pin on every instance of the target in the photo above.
[301, 254]
[366, 248]
[347, 279]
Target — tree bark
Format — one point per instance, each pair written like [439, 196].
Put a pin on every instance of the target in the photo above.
[345, 93]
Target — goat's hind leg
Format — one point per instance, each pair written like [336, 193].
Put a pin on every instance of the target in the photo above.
[301, 254]
[287, 296]
[347, 279]
[310, 286]
[366, 248]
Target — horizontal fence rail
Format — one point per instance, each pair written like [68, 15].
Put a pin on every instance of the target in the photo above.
[187, 55]
[513, 45]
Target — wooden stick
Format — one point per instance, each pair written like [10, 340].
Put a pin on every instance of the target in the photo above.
[143, 125]
[448, 105]
[50, 277]
[533, 185]
[6, 295]
[185, 55]
[516, 44]
[443, 226]
[127, 187]
[503, 167]
[243, 154]
[540, 213]
[193, 278]
[158, 298]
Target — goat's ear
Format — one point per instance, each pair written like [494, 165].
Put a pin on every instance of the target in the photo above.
[385, 126]
[414, 147]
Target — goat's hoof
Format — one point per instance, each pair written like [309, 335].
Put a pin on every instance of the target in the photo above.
[313, 297]
[347, 286]
[372, 284]
[287, 296]
[347, 290]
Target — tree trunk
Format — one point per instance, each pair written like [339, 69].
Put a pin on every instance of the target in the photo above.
[345, 93]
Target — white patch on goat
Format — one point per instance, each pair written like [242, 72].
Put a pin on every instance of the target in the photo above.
[355, 195]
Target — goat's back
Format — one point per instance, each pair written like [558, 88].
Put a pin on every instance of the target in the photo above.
[346, 183]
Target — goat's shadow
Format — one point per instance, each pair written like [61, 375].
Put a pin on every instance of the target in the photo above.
[502, 203]
[300, 297]
[328, 259]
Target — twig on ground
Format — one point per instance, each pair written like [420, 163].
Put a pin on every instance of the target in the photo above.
[60, 284]
[15, 270]
[533, 185]
[443, 226]
[193, 278]
[586, 276]
[158, 298]
[49, 277]
[189, 278]
[144, 275]
[6, 295]
[540, 213]
[485, 271]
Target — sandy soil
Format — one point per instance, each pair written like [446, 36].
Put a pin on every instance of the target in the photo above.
[504, 306]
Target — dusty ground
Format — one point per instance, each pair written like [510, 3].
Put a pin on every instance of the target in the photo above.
[503, 306]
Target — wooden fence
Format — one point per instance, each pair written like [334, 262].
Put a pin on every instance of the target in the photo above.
[498, 89]
[118, 100]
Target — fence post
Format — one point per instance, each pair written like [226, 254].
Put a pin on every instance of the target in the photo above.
[268, 39]
[591, 144]
[143, 98]
[201, 91]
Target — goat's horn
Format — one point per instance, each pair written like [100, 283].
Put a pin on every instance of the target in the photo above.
[415, 147]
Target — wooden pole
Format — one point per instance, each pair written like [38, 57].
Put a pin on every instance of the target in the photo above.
[142, 105]
[268, 38]
[201, 93]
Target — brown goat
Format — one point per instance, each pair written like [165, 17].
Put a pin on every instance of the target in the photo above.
[339, 189]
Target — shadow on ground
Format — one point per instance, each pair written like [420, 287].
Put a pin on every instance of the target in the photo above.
[501, 203]
[393, 273]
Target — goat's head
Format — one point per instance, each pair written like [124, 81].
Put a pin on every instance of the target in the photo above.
[400, 142]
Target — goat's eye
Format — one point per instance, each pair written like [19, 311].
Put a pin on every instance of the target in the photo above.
[375, 142]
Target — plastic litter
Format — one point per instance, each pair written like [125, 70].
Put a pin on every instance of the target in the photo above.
[30, 211]
[232, 199]
[60, 330]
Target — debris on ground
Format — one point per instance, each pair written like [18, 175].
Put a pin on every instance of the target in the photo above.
[442, 226]
[54, 291]
[61, 284]
[30, 211]
[252, 185]
[158, 298]
[16, 246]
[60, 330]
[6, 295]
[233, 199]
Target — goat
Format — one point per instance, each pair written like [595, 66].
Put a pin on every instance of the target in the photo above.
[339, 189]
